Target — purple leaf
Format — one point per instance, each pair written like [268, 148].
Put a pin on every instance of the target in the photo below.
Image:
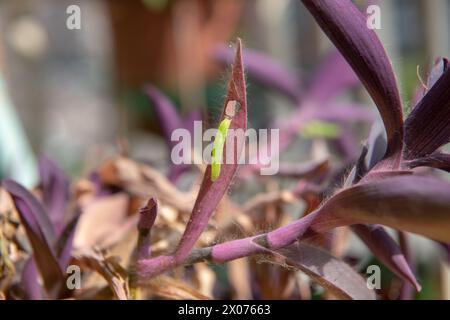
[386, 250]
[345, 113]
[441, 65]
[190, 118]
[40, 234]
[406, 290]
[31, 209]
[55, 187]
[413, 203]
[334, 275]
[265, 70]
[165, 111]
[65, 242]
[29, 280]
[435, 160]
[170, 120]
[376, 145]
[188, 123]
[428, 126]
[333, 76]
[346, 145]
[416, 204]
[176, 170]
[211, 193]
[346, 27]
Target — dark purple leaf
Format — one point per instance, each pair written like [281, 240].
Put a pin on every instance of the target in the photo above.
[31, 209]
[346, 27]
[416, 204]
[428, 126]
[386, 250]
[436, 160]
[345, 145]
[40, 234]
[441, 65]
[29, 281]
[359, 170]
[406, 290]
[65, 242]
[165, 111]
[376, 145]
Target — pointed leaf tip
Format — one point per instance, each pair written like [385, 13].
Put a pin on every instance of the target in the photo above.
[387, 251]
[236, 90]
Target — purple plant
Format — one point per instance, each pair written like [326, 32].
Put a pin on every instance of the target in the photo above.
[211, 192]
[49, 233]
[384, 187]
[386, 192]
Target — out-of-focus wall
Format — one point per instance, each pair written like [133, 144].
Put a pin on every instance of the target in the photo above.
[60, 80]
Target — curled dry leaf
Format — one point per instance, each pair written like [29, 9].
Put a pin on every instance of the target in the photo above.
[108, 267]
[143, 181]
[103, 222]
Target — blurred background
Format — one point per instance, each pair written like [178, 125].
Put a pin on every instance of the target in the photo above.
[76, 95]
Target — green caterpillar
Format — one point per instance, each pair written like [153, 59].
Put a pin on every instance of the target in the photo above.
[221, 137]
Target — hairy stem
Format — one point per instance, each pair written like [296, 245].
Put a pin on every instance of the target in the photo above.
[316, 222]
